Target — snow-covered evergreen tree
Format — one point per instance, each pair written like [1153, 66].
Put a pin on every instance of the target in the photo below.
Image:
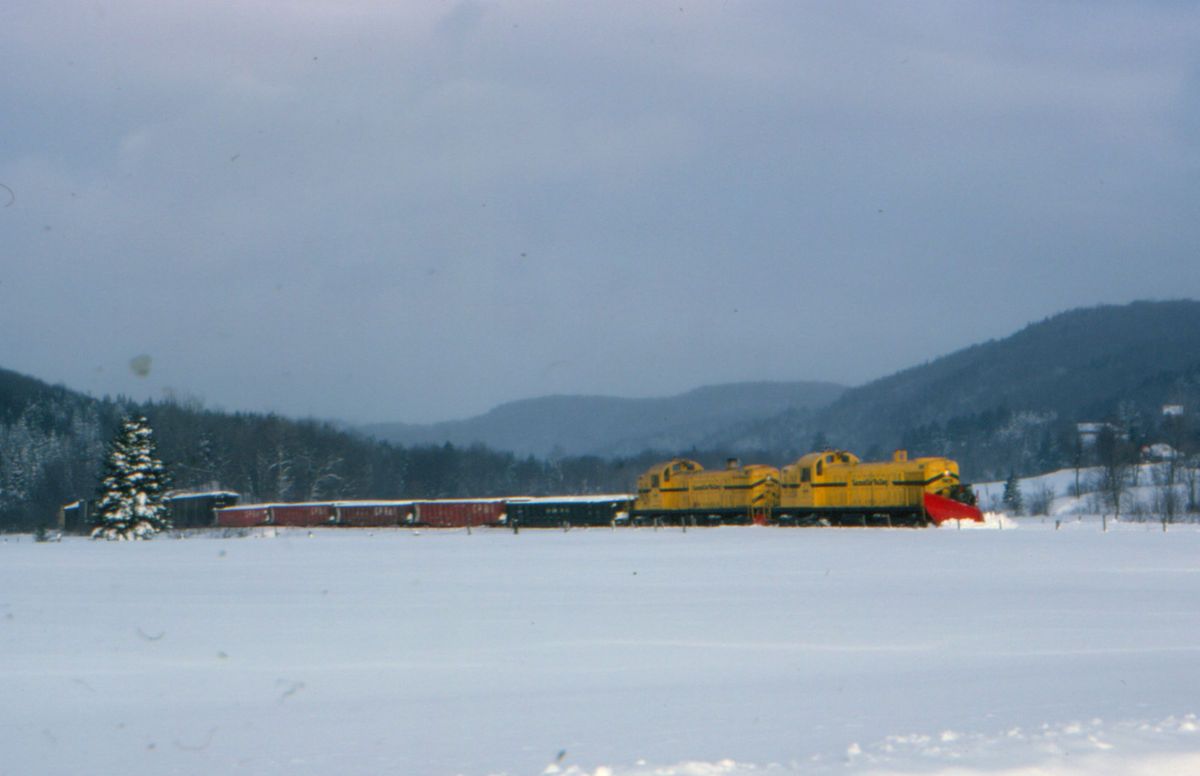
[1013, 501]
[135, 481]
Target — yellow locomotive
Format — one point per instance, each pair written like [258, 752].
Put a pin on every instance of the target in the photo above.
[681, 489]
[835, 487]
[832, 487]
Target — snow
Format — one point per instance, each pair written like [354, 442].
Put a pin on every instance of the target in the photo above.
[1138, 501]
[627, 652]
[992, 521]
[1061, 482]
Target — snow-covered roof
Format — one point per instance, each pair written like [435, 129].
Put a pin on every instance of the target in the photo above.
[595, 499]
[247, 506]
[205, 494]
[590, 499]
[366, 503]
[406, 503]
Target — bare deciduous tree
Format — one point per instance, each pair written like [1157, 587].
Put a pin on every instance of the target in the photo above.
[1041, 499]
[1118, 462]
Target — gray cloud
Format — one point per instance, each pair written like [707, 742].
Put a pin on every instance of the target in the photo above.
[411, 211]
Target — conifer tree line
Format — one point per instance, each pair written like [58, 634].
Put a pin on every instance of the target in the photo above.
[54, 447]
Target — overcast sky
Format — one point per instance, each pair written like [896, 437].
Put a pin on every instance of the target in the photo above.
[414, 211]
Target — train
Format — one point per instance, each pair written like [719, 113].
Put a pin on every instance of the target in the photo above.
[829, 487]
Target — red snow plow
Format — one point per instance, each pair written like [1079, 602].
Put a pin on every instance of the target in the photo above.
[940, 509]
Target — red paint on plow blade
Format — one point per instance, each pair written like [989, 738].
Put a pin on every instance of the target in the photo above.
[940, 509]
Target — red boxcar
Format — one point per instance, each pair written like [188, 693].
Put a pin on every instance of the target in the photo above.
[457, 513]
[244, 517]
[372, 514]
[303, 515]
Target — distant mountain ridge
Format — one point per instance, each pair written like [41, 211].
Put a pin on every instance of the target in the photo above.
[605, 425]
[992, 403]
[1005, 404]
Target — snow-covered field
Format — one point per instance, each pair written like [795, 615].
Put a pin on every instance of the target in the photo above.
[718, 651]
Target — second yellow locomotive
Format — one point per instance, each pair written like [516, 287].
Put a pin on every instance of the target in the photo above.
[681, 489]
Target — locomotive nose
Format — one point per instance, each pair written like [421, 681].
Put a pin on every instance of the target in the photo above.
[940, 509]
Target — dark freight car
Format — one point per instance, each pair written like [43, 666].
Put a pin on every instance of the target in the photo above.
[557, 511]
[303, 515]
[198, 510]
[373, 514]
[459, 513]
[244, 516]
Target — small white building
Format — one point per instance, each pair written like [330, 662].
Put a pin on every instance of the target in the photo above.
[1089, 432]
[1158, 452]
[1172, 410]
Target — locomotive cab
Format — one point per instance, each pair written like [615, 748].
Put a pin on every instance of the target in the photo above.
[664, 486]
[805, 482]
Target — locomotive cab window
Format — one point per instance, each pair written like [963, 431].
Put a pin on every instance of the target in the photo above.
[820, 468]
[654, 480]
[806, 474]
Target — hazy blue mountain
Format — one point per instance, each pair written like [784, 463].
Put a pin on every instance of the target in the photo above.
[579, 425]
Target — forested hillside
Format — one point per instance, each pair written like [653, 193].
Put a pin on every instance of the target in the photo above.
[1012, 404]
[52, 442]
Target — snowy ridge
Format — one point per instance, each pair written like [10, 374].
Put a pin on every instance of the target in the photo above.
[1092, 748]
